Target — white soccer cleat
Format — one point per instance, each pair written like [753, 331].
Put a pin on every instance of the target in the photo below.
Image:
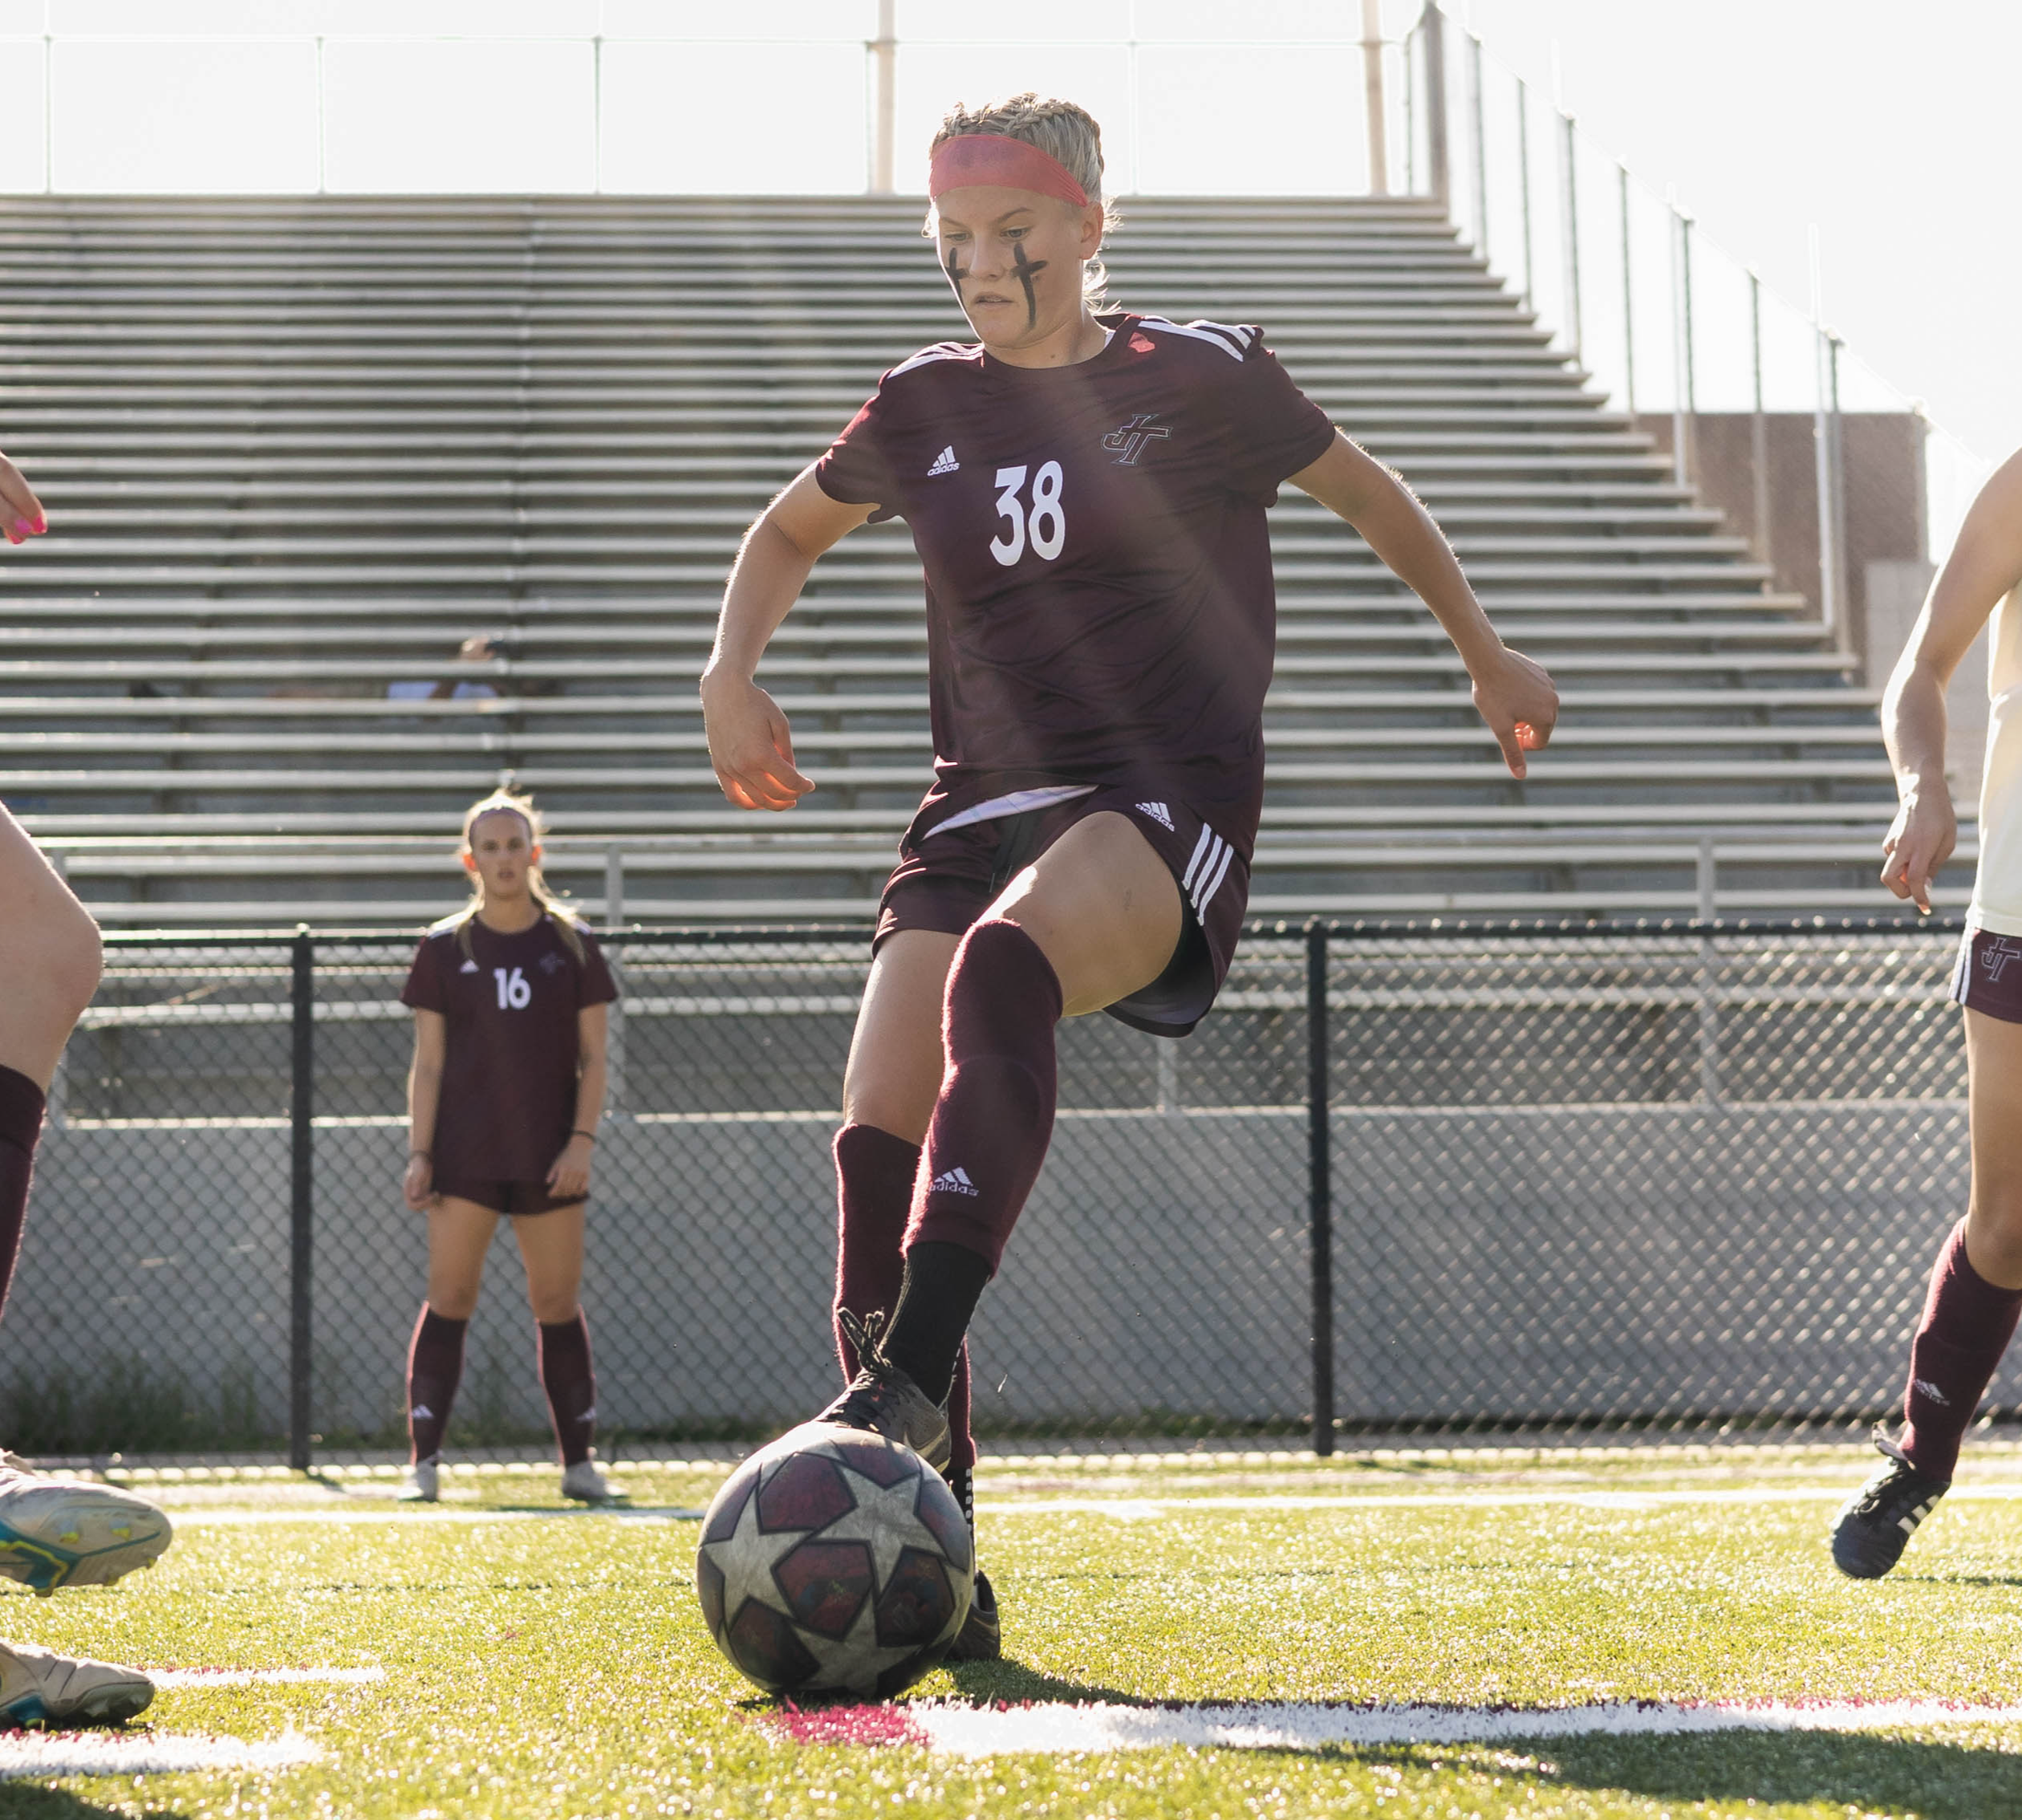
[64, 1532]
[586, 1482]
[40, 1688]
[421, 1483]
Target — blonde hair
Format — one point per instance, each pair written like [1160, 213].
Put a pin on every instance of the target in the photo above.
[512, 803]
[1065, 133]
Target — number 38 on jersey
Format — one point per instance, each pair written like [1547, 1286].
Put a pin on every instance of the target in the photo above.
[1032, 516]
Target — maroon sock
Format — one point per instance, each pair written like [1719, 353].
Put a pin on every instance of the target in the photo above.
[1967, 1324]
[874, 1188]
[435, 1368]
[21, 1117]
[570, 1381]
[995, 1114]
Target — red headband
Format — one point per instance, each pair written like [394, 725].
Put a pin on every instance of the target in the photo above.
[997, 159]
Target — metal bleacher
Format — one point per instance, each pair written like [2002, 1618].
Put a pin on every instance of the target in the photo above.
[296, 451]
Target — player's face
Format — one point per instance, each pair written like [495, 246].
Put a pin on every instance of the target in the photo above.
[501, 853]
[1015, 260]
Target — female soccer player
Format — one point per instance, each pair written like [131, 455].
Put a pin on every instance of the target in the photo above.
[1976, 1288]
[1087, 490]
[53, 1531]
[510, 998]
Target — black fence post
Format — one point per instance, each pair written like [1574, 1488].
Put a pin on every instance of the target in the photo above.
[1320, 1189]
[302, 1198]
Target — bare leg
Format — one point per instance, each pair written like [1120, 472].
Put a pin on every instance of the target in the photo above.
[49, 958]
[459, 1234]
[1994, 1213]
[1102, 907]
[551, 1248]
[895, 1060]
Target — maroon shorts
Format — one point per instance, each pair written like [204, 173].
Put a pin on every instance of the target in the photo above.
[506, 1197]
[1988, 978]
[946, 880]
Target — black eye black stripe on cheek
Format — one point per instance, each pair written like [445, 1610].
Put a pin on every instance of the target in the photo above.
[1028, 271]
[955, 275]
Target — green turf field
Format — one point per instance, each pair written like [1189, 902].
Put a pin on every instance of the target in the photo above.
[539, 1662]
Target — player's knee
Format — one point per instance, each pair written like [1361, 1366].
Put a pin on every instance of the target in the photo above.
[81, 962]
[552, 1309]
[67, 959]
[452, 1301]
[1995, 1229]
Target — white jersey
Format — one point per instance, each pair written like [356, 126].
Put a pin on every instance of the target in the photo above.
[1997, 889]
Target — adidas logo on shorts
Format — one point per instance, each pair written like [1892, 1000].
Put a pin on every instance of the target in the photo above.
[944, 463]
[953, 1181]
[1923, 1384]
[1159, 813]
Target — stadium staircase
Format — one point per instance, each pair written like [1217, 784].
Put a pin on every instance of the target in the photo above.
[296, 451]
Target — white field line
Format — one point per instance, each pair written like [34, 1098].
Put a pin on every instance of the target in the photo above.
[969, 1731]
[262, 1677]
[323, 1514]
[1133, 1510]
[144, 1753]
[1142, 1509]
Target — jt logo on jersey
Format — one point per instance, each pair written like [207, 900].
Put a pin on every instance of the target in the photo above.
[1131, 441]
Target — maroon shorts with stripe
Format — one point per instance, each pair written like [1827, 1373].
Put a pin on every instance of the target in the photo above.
[945, 880]
[1988, 976]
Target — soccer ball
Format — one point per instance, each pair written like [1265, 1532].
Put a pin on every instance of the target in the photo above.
[834, 1561]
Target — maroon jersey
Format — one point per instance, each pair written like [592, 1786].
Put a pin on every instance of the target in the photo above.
[508, 1076]
[1099, 595]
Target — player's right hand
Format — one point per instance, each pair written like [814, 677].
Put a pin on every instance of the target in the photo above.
[21, 516]
[418, 1184]
[751, 747]
[1919, 841]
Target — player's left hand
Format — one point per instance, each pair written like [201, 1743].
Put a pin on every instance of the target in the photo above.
[21, 516]
[1516, 698]
[569, 1175]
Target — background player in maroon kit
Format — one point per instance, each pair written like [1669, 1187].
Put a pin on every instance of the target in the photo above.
[1087, 492]
[510, 999]
[54, 1531]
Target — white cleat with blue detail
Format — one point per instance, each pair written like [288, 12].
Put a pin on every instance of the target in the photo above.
[40, 1688]
[63, 1532]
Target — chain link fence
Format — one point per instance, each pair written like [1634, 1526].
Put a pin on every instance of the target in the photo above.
[1429, 1178]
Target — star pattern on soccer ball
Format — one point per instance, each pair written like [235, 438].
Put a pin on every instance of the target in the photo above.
[747, 1557]
[885, 1517]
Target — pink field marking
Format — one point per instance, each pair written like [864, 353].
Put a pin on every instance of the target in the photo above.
[850, 1725]
[959, 1730]
[145, 1754]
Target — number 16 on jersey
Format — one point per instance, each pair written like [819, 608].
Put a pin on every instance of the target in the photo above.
[1045, 523]
[514, 993]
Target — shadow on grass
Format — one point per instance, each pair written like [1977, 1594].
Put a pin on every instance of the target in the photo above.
[32, 1802]
[1008, 1679]
[1853, 1770]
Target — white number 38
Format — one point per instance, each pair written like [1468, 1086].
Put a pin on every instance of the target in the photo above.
[1046, 523]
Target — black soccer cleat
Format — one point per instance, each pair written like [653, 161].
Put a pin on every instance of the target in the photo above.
[882, 1400]
[1876, 1524]
[980, 1637]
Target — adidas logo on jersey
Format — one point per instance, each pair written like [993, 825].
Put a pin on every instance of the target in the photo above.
[468, 967]
[953, 1181]
[1159, 813]
[945, 463]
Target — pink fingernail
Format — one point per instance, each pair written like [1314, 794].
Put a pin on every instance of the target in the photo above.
[25, 528]
[42, 523]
